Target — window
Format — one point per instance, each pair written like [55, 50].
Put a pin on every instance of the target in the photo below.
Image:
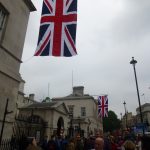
[3, 18]
[83, 111]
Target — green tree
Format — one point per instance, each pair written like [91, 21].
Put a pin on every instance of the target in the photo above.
[111, 122]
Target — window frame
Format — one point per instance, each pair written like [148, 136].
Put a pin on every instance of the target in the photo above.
[4, 21]
[83, 111]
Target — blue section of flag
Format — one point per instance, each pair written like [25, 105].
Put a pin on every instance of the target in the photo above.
[57, 34]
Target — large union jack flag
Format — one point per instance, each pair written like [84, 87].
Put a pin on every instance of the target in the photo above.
[58, 28]
[103, 106]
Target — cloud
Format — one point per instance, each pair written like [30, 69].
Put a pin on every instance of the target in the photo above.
[109, 33]
[132, 24]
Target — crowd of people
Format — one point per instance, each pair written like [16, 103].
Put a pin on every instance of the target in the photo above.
[126, 141]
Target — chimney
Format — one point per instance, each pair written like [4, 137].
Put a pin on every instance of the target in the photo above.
[31, 96]
[78, 91]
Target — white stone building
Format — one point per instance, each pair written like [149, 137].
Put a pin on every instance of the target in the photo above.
[73, 114]
[53, 117]
[83, 109]
[145, 108]
[14, 17]
[128, 120]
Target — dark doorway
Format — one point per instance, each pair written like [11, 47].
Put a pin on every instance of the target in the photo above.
[60, 126]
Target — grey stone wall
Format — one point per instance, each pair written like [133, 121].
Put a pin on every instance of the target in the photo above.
[11, 47]
[15, 32]
[8, 89]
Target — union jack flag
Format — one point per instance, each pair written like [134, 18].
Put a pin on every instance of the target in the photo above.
[57, 32]
[103, 106]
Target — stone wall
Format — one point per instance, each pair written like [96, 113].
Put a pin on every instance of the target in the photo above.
[11, 47]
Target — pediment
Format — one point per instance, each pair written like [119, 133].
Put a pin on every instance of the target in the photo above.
[62, 108]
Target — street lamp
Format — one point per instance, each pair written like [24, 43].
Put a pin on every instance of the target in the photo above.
[71, 125]
[79, 128]
[121, 120]
[121, 116]
[125, 113]
[133, 62]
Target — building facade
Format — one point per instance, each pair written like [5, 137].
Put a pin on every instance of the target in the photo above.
[83, 112]
[44, 119]
[71, 115]
[13, 24]
[23, 100]
[145, 108]
[128, 120]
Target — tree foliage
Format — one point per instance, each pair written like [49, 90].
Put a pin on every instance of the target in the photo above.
[111, 122]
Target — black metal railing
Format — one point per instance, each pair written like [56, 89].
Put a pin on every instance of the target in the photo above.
[5, 144]
[14, 143]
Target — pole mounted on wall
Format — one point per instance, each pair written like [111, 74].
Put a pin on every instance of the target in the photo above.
[6, 112]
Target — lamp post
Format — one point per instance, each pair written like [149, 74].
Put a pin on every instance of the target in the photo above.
[121, 116]
[121, 120]
[133, 62]
[71, 125]
[124, 103]
[79, 128]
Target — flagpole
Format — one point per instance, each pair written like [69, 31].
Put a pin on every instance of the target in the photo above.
[102, 124]
[48, 89]
[100, 129]
[72, 79]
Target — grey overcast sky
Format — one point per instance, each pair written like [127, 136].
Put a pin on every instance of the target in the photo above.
[109, 33]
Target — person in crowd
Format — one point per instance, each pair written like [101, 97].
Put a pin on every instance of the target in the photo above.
[139, 142]
[44, 143]
[71, 144]
[90, 143]
[99, 134]
[128, 145]
[85, 143]
[78, 144]
[107, 143]
[51, 143]
[99, 143]
[120, 142]
[64, 142]
[32, 145]
[113, 143]
[146, 143]
[58, 142]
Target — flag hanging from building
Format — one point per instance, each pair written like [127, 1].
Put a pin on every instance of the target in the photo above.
[57, 34]
[103, 106]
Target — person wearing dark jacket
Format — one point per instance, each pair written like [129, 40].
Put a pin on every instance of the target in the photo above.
[78, 145]
[107, 144]
[145, 143]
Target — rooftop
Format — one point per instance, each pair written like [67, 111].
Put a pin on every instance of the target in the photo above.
[41, 105]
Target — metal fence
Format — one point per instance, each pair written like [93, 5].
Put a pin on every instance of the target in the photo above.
[24, 126]
[5, 144]
[19, 143]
